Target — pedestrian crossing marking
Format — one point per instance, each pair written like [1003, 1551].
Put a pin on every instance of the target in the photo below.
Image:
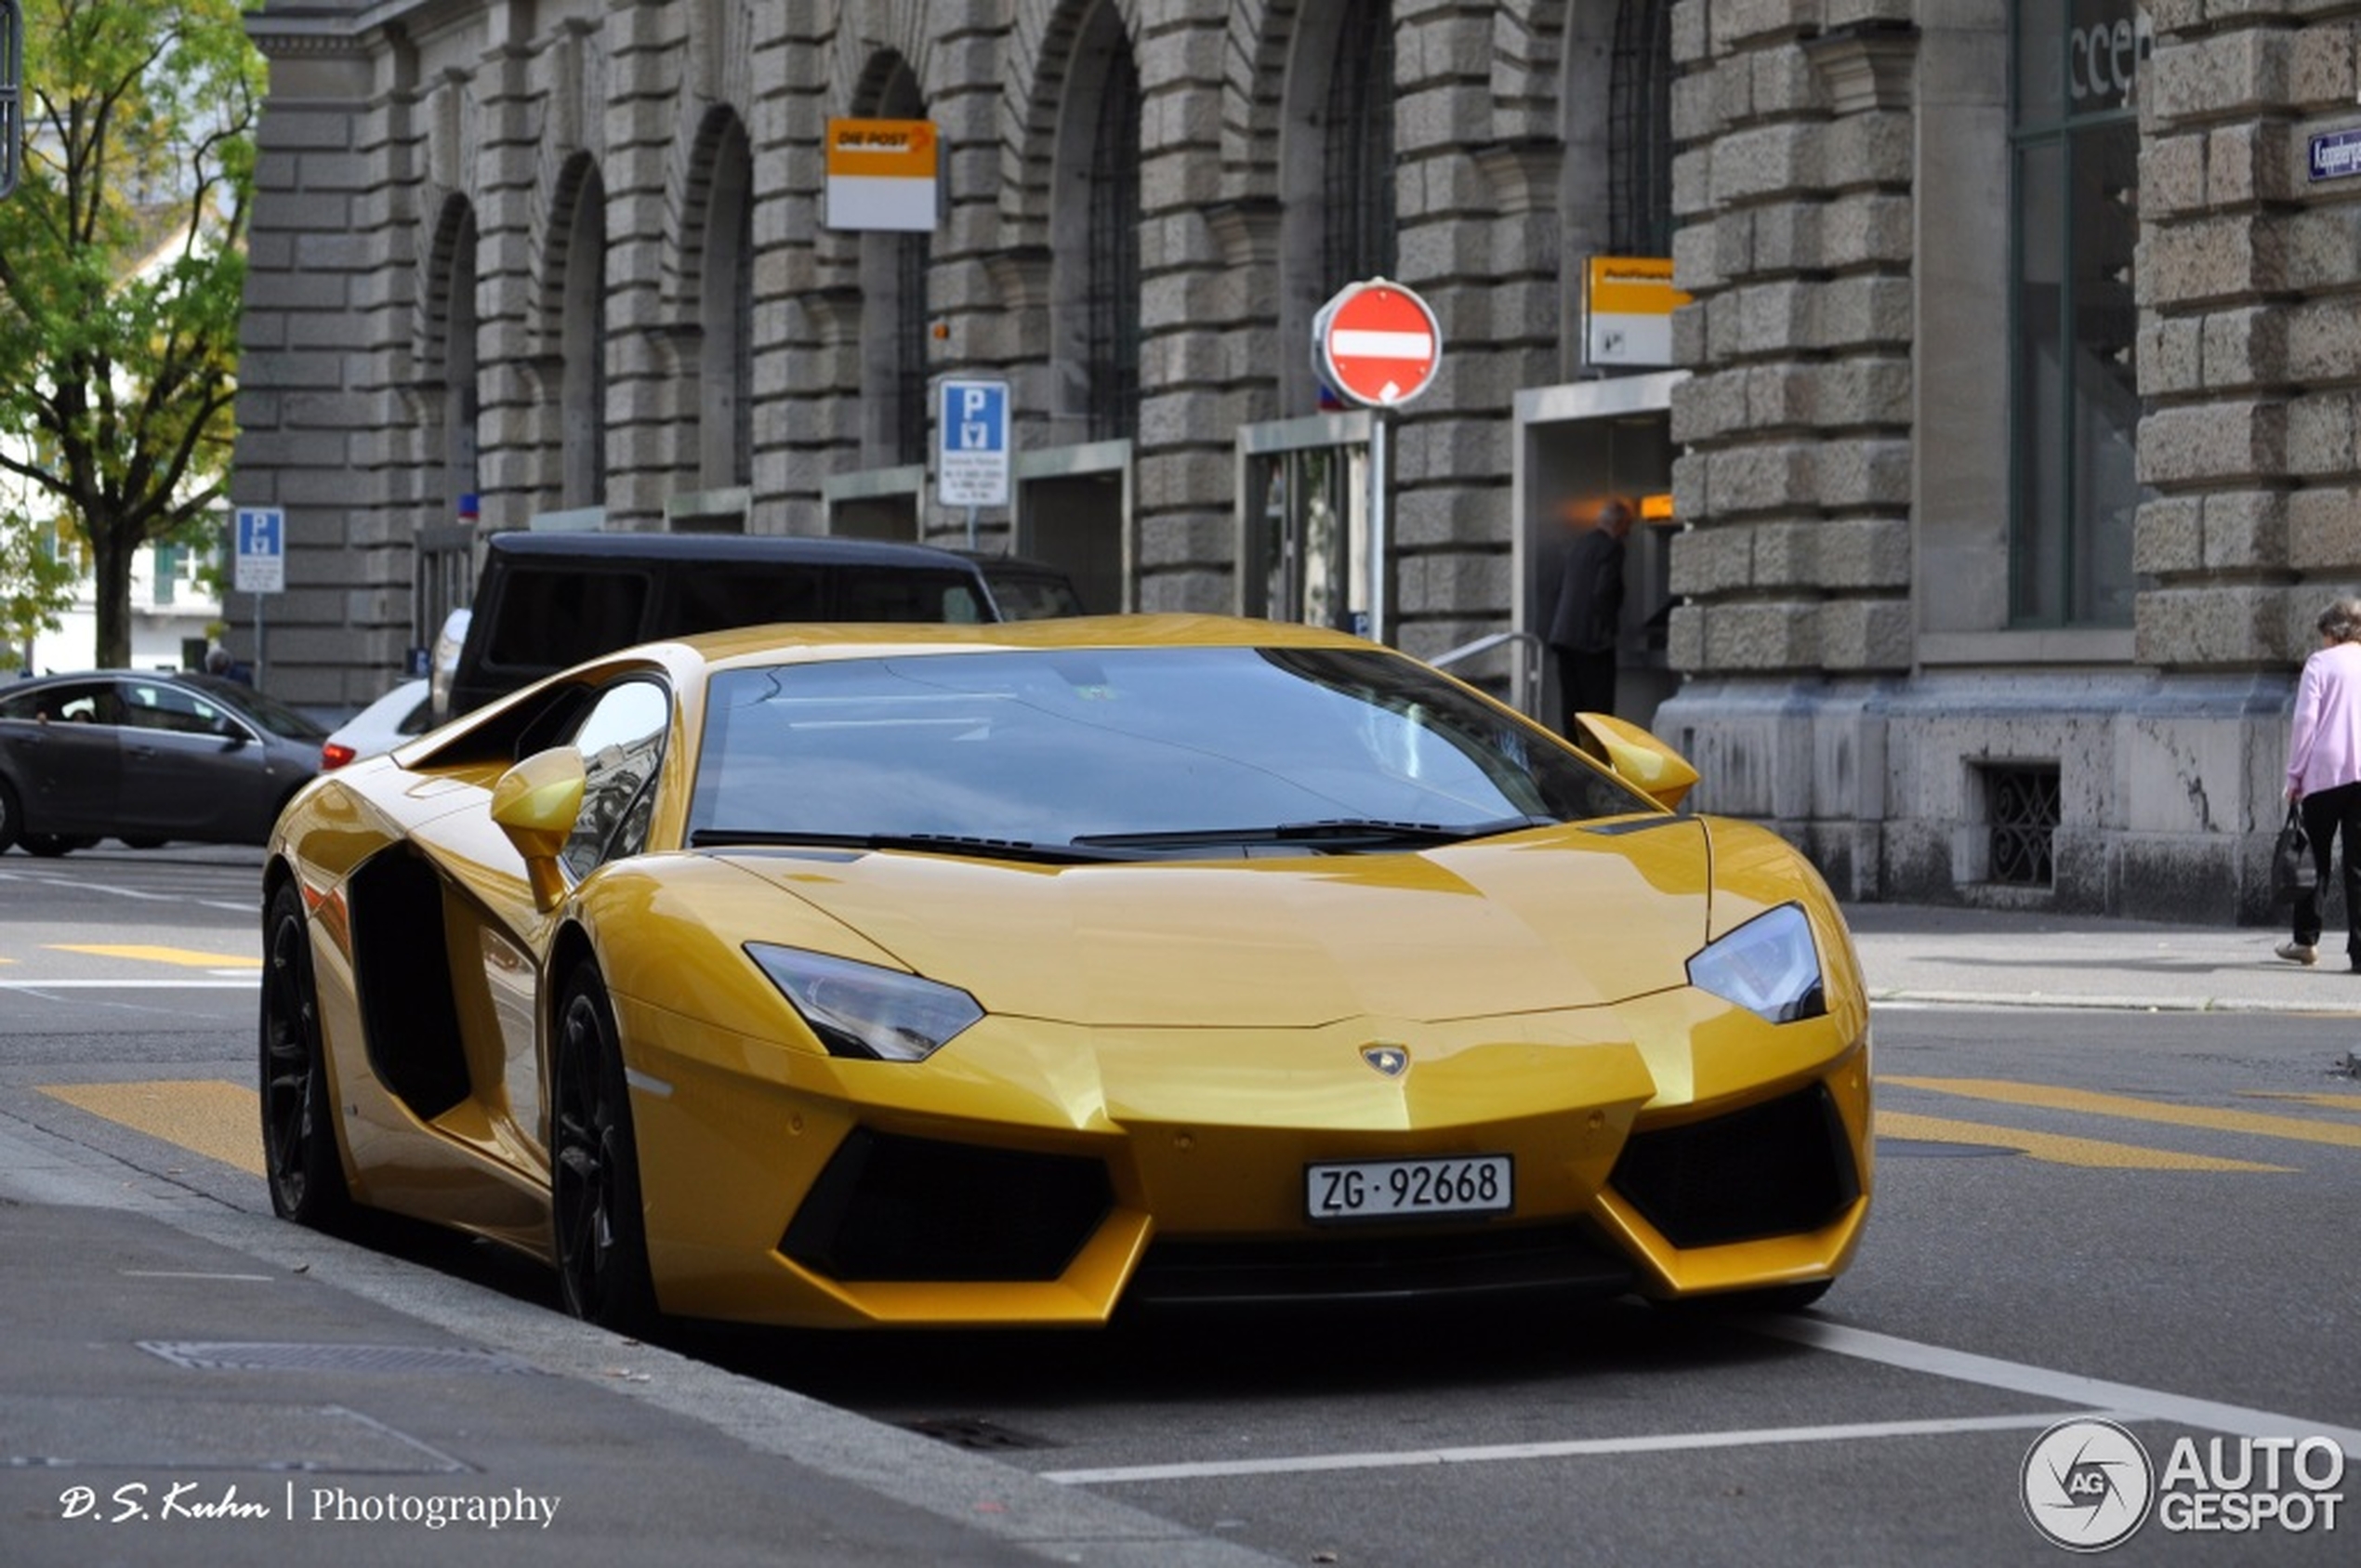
[183, 956]
[2056, 1147]
[220, 1120]
[2091, 1103]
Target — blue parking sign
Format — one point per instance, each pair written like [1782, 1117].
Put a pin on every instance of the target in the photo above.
[261, 554]
[972, 446]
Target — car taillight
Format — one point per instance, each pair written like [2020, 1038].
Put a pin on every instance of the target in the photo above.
[333, 755]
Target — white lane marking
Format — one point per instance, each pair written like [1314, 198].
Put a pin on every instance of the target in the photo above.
[192, 1274]
[2150, 1404]
[248, 983]
[1658, 1443]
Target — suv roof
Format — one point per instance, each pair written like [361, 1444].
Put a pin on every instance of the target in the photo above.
[724, 547]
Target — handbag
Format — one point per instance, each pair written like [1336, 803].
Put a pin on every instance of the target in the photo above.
[2293, 871]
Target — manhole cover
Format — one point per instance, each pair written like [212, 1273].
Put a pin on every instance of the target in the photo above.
[215, 1355]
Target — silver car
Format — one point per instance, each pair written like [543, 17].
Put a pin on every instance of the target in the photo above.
[145, 756]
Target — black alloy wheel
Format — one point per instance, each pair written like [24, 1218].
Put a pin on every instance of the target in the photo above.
[299, 1153]
[11, 818]
[597, 1227]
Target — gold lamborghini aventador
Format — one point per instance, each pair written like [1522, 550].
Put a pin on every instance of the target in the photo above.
[1020, 974]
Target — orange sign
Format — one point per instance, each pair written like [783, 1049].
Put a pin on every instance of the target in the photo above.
[881, 174]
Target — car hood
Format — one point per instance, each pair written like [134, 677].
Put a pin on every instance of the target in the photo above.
[1555, 919]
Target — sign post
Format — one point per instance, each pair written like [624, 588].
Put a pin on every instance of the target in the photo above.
[261, 567]
[1378, 344]
[972, 446]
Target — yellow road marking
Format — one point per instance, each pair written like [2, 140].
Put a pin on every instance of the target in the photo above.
[221, 1121]
[2349, 1102]
[2092, 1104]
[182, 956]
[2057, 1150]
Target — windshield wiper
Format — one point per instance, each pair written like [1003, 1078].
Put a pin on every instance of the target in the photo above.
[934, 843]
[1326, 833]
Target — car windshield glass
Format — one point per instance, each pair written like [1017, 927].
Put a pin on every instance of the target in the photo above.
[1171, 749]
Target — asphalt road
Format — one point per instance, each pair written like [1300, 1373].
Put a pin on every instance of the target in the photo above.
[2081, 1211]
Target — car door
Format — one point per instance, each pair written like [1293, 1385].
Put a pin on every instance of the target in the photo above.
[191, 768]
[60, 750]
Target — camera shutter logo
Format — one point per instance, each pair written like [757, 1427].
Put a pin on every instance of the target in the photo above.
[2088, 1484]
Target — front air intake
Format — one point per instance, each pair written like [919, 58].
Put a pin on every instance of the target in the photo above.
[1771, 1169]
[889, 1207]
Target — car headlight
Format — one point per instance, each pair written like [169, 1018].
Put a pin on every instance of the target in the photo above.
[861, 1010]
[1769, 965]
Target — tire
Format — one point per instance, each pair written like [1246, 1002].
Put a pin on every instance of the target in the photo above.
[597, 1230]
[142, 843]
[50, 846]
[301, 1157]
[12, 816]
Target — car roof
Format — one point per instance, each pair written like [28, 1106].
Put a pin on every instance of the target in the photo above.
[720, 548]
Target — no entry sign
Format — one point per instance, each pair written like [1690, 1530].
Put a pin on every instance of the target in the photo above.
[1376, 343]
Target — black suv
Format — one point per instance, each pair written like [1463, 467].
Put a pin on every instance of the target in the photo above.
[547, 601]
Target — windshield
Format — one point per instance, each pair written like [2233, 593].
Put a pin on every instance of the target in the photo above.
[1145, 748]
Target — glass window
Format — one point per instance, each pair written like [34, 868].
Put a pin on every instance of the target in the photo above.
[2075, 404]
[1112, 302]
[153, 705]
[621, 740]
[1158, 750]
[1359, 167]
[84, 702]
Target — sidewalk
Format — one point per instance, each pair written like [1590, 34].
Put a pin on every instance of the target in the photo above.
[2005, 958]
[182, 1383]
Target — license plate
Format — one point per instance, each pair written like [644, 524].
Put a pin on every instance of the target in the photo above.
[1387, 1188]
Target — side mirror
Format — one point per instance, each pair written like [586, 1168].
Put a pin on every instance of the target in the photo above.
[535, 804]
[1639, 759]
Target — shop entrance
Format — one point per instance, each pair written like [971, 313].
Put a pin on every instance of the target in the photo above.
[1575, 445]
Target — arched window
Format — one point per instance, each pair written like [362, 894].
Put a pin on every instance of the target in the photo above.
[1639, 130]
[1095, 231]
[1358, 228]
[725, 394]
[462, 395]
[582, 343]
[1335, 169]
[894, 264]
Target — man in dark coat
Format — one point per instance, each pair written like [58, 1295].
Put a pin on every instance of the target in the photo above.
[1584, 628]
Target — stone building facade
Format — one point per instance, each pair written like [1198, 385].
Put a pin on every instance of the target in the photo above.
[2008, 439]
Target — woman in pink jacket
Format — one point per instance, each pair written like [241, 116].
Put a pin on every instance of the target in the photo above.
[2324, 773]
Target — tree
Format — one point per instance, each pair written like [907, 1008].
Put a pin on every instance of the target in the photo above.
[122, 263]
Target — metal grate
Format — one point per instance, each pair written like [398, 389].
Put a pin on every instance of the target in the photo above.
[204, 1355]
[970, 1431]
[2020, 807]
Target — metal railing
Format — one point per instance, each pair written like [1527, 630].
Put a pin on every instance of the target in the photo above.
[1524, 665]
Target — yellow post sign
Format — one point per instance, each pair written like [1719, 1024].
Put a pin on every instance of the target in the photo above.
[881, 174]
[1627, 305]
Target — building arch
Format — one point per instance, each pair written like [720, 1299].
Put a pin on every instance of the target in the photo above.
[573, 336]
